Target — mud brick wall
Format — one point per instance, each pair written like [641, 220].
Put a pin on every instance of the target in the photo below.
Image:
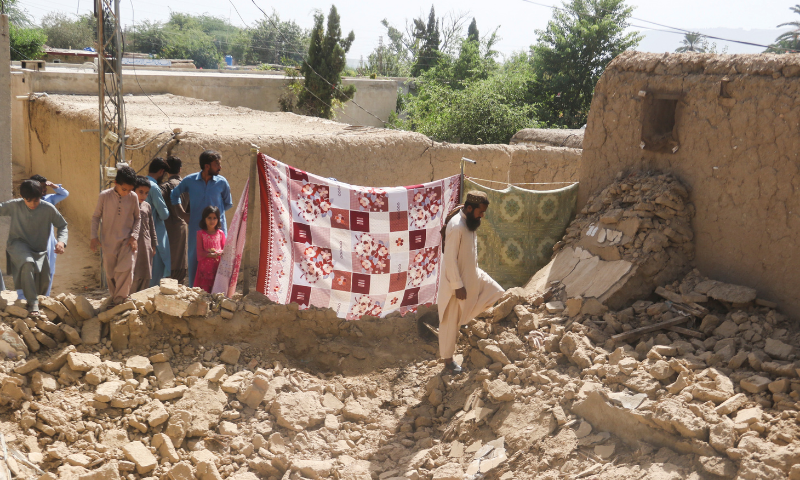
[736, 129]
[377, 158]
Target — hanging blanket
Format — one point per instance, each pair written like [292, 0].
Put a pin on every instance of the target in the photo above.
[517, 235]
[357, 250]
[228, 270]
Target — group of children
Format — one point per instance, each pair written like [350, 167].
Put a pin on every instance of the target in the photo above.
[129, 240]
[124, 227]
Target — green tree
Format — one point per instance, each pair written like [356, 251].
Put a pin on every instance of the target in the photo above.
[26, 43]
[274, 40]
[472, 32]
[692, 42]
[383, 61]
[181, 37]
[482, 110]
[64, 31]
[572, 53]
[789, 40]
[17, 15]
[323, 67]
[429, 39]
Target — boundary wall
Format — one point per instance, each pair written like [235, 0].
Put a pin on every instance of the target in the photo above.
[252, 90]
[735, 124]
[55, 145]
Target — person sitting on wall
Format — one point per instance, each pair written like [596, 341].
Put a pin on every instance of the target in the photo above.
[32, 223]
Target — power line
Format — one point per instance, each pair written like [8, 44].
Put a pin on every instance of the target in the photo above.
[301, 84]
[136, 75]
[312, 68]
[675, 30]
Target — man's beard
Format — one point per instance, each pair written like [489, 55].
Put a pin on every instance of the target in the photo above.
[472, 222]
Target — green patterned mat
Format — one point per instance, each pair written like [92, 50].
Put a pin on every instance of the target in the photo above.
[519, 230]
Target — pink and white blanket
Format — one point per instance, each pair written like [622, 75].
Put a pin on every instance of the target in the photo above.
[357, 250]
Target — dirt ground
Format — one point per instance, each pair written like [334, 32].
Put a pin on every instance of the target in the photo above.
[168, 112]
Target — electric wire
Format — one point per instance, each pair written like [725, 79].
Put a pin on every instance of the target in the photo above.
[136, 75]
[302, 84]
[312, 68]
[674, 30]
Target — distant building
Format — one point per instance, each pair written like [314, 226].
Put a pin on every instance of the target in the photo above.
[66, 55]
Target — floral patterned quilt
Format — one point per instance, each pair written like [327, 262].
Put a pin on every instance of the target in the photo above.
[357, 250]
[517, 235]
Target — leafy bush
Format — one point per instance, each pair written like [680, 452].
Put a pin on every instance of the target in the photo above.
[481, 110]
[26, 43]
[65, 32]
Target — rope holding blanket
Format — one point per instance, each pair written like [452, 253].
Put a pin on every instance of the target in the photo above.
[453, 213]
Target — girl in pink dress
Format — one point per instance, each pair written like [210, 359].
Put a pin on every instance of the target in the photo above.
[210, 243]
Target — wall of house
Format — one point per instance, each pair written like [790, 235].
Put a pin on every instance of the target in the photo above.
[737, 132]
[373, 157]
[252, 90]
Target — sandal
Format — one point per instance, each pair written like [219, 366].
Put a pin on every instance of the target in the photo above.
[37, 315]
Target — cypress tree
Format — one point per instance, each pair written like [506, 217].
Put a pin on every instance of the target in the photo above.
[323, 67]
[429, 52]
[472, 32]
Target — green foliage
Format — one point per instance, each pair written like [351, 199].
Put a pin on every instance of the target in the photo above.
[788, 42]
[429, 39]
[181, 37]
[472, 32]
[488, 105]
[572, 53]
[64, 31]
[273, 40]
[26, 43]
[323, 68]
[692, 42]
[17, 15]
[384, 61]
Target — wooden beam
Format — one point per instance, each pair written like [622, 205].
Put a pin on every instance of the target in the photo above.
[650, 328]
[251, 215]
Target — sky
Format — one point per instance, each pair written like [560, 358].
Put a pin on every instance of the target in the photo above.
[746, 20]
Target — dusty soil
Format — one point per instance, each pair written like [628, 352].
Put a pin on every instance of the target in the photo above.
[189, 114]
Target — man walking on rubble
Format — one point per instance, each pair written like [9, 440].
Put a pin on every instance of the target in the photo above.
[205, 188]
[464, 289]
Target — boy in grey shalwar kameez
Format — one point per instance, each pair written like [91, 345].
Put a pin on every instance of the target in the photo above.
[32, 222]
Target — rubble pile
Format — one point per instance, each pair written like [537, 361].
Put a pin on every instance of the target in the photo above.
[630, 238]
[692, 379]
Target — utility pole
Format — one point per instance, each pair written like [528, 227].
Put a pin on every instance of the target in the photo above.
[111, 121]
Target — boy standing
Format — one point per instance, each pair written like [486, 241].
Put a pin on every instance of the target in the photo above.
[51, 198]
[177, 226]
[32, 222]
[162, 262]
[118, 208]
[147, 238]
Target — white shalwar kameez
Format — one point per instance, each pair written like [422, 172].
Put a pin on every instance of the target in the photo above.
[460, 269]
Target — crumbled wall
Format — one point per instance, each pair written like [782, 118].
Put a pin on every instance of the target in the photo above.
[363, 157]
[738, 154]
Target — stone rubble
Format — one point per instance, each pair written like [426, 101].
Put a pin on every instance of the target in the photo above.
[140, 392]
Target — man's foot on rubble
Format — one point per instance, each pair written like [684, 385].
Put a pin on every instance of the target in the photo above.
[452, 367]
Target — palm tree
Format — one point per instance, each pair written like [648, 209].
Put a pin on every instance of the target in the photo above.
[692, 42]
[788, 40]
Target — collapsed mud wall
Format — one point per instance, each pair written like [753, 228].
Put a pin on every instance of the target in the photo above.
[726, 126]
[373, 157]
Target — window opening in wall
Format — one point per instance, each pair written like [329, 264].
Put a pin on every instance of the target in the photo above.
[659, 121]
